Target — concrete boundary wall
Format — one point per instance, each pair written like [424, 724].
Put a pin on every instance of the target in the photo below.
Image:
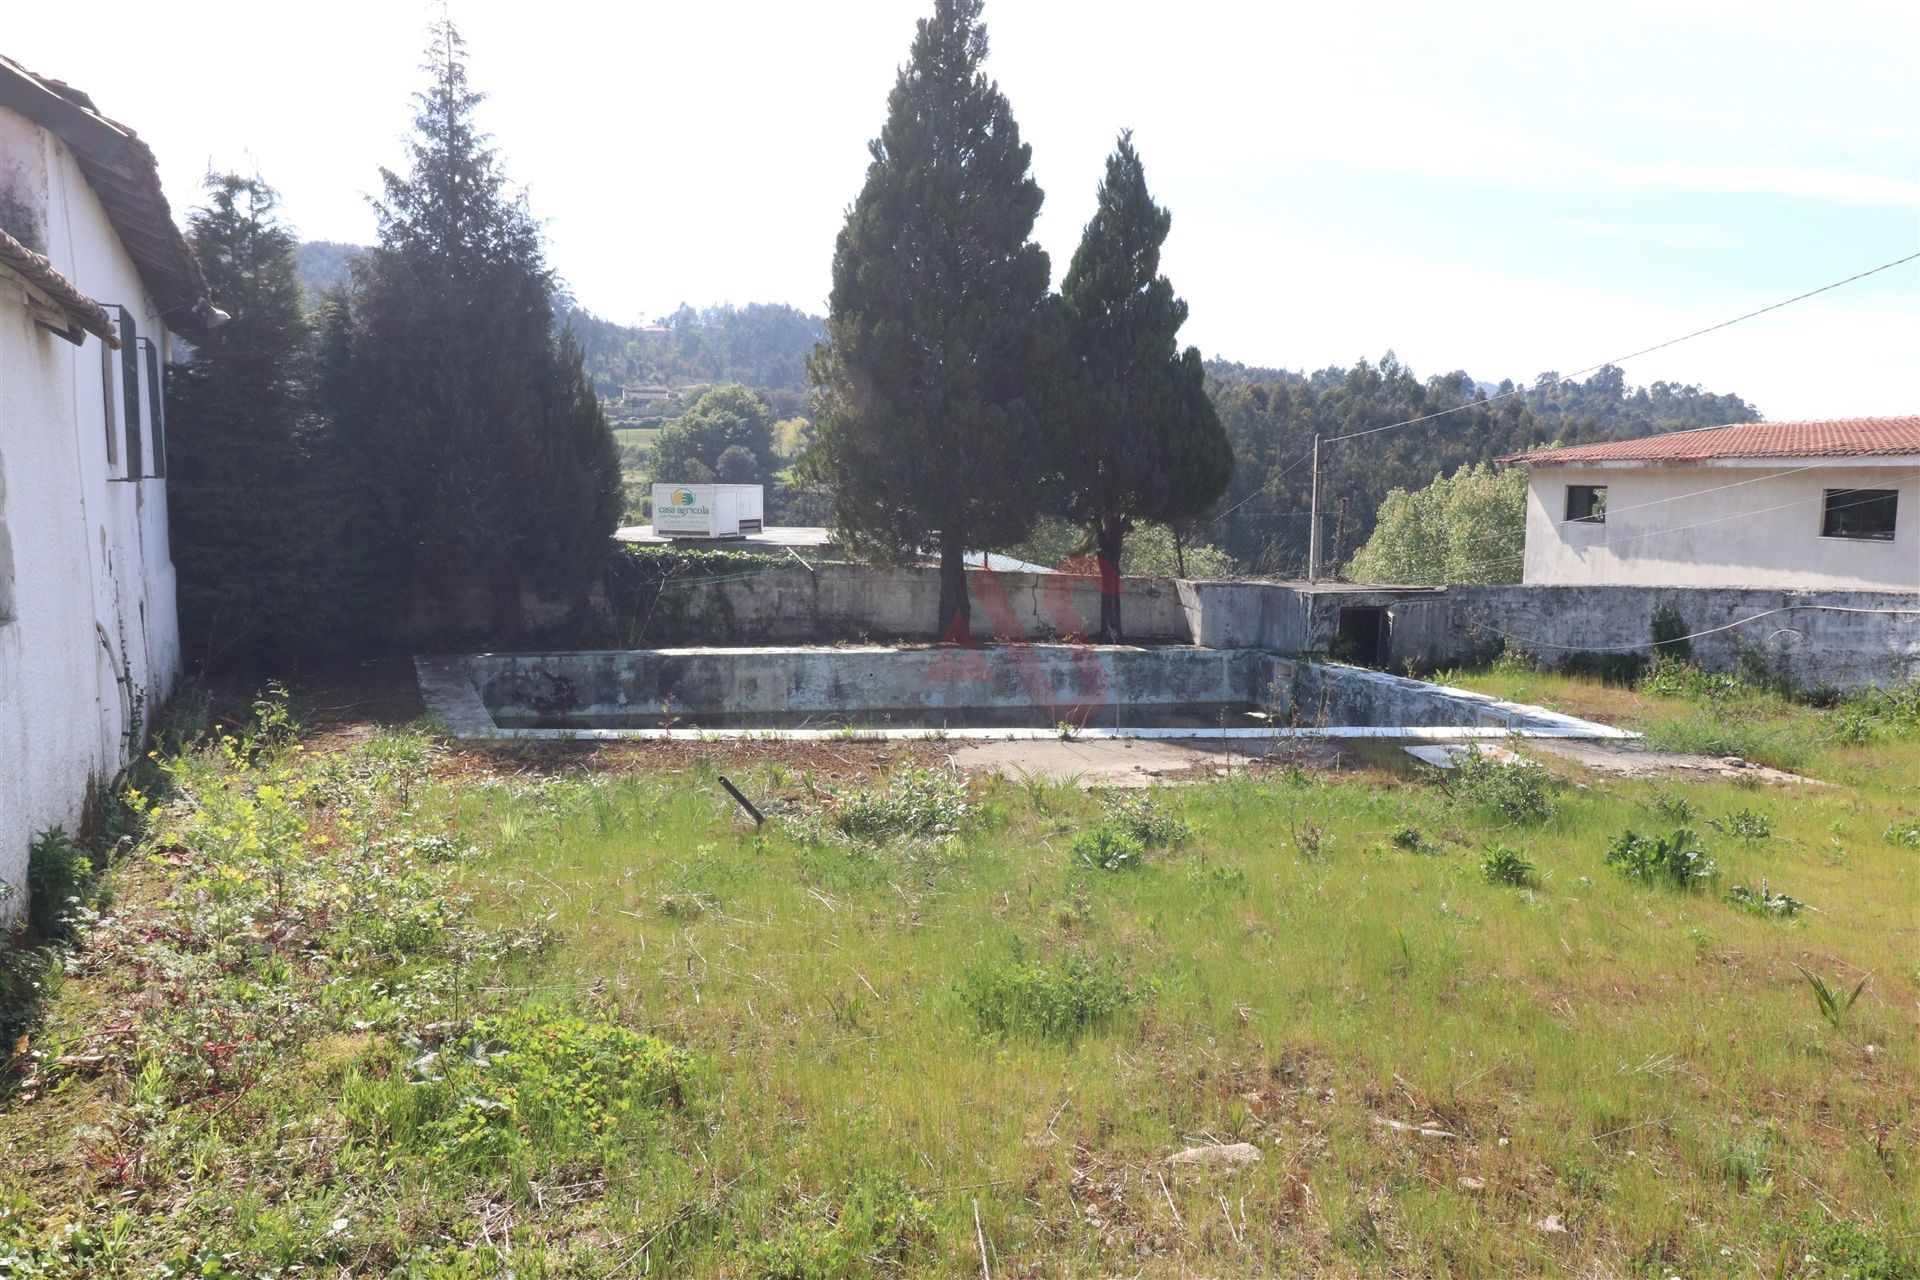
[1839, 639]
[853, 602]
[1067, 679]
[1836, 639]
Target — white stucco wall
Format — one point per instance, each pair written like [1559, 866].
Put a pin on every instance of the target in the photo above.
[88, 634]
[1725, 524]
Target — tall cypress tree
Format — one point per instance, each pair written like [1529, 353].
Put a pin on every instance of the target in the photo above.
[499, 460]
[239, 490]
[1141, 439]
[928, 431]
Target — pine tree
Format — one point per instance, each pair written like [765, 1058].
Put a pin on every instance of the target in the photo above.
[929, 432]
[499, 460]
[356, 535]
[239, 489]
[1141, 439]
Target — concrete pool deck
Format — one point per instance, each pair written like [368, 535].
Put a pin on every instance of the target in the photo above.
[573, 695]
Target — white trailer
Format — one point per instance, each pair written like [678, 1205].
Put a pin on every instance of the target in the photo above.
[707, 510]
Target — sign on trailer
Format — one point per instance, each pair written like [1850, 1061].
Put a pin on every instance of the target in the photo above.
[706, 510]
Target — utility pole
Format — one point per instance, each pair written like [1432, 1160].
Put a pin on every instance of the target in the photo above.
[1313, 519]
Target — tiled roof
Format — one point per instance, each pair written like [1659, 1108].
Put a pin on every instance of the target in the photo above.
[124, 175]
[1835, 438]
[81, 313]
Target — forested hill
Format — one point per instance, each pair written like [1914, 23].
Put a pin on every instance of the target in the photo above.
[764, 345]
[1272, 415]
[323, 264]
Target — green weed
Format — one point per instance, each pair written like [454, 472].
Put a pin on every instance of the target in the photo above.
[1744, 823]
[1501, 865]
[59, 881]
[1764, 902]
[1108, 847]
[1144, 818]
[1677, 860]
[552, 1083]
[1413, 840]
[914, 802]
[1840, 1249]
[1522, 793]
[877, 1226]
[1017, 997]
[1833, 1000]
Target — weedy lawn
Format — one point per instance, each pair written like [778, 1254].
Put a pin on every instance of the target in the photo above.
[398, 1010]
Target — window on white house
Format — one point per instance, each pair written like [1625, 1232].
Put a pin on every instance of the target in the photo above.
[155, 409]
[130, 389]
[6, 553]
[1587, 503]
[1860, 513]
[110, 402]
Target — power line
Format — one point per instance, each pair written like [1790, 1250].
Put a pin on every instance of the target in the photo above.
[1658, 346]
[1517, 391]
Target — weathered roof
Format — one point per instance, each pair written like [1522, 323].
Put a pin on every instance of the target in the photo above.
[1833, 438]
[125, 177]
[80, 313]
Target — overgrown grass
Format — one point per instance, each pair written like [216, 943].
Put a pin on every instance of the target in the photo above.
[389, 1013]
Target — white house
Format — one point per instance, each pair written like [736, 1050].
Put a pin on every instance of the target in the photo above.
[95, 279]
[1768, 504]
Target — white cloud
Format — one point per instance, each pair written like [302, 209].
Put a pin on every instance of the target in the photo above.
[1823, 184]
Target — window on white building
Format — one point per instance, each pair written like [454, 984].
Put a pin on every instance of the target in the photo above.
[1587, 504]
[110, 409]
[150, 354]
[130, 390]
[1860, 513]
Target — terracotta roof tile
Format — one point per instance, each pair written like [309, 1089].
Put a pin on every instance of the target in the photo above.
[82, 313]
[125, 177]
[1834, 438]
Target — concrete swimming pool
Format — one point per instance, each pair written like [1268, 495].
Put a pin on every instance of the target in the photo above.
[1010, 691]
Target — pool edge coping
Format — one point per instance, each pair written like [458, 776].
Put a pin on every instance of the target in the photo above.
[448, 692]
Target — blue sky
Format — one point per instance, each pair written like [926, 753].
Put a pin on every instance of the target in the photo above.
[1505, 188]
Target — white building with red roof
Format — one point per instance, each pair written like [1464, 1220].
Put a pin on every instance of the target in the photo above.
[1802, 505]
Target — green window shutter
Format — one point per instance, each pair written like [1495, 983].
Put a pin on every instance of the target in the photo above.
[157, 406]
[130, 386]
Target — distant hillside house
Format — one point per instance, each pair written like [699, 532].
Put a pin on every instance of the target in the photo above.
[634, 393]
[1766, 504]
[95, 279]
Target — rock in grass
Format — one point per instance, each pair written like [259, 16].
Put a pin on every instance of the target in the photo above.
[1230, 1155]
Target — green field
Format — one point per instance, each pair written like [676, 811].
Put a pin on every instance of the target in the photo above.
[386, 1006]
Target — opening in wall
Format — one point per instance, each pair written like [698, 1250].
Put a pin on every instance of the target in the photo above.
[1364, 637]
[6, 552]
[1587, 504]
[110, 403]
[1866, 514]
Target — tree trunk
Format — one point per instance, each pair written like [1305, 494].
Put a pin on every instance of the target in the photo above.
[1109, 538]
[955, 624]
[509, 622]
